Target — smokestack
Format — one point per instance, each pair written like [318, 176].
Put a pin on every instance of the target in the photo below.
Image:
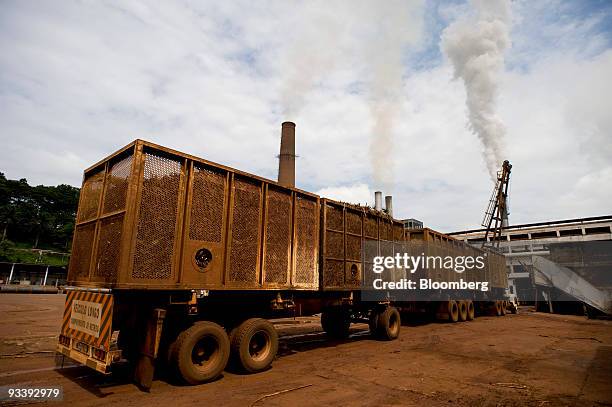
[389, 205]
[286, 158]
[378, 200]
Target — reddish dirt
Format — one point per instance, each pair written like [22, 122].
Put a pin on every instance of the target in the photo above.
[526, 359]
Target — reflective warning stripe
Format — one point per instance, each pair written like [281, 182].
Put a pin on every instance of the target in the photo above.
[67, 308]
[106, 318]
[105, 327]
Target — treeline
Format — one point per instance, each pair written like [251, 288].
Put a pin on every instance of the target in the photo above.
[38, 217]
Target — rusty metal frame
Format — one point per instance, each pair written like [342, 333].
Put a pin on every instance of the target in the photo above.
[263, 247]
[102, 167]
[363, 212]
[228, 248]
[294, 242]
[495, 268]
[131, 213]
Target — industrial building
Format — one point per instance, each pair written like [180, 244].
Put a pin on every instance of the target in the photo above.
[564, 261]
[411, 223]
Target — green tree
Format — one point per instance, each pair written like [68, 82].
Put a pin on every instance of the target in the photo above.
[39, 216]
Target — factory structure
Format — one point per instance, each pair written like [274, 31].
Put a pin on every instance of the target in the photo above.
[556, 263]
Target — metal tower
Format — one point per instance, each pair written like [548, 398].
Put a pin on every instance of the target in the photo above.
[496, 215]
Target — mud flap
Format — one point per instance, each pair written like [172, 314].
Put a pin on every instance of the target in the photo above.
[145, 367]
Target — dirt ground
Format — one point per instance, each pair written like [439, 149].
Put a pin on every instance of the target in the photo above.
[526, 359]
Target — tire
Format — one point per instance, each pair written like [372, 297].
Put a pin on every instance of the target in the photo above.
[200, 353]
[498, 308]
[471, 314]
[335, 322]
[373, 323]
[462, 310]
[513, 308]
[254, 344]
[388, 324]
[453, 311]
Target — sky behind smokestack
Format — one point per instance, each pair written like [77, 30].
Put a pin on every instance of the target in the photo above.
[80, 79]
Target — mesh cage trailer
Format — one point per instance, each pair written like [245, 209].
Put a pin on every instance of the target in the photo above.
[178, 262]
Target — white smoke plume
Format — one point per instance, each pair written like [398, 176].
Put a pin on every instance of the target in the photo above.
[371, 38]
[394, 28]
[476, 46]
[313, 53]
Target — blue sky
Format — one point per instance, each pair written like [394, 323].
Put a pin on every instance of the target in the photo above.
[80, 79]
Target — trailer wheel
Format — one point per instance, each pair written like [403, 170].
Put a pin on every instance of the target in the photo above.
[453, 311]
[373, 323]
[470, 311]
[335, 322]
[513, 308]
[200, 353]
[254, 344]
[388, 324]
[498, 308]
[462, 310]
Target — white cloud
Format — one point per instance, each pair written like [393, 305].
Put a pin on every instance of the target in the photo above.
[357, 193]
[561, 137]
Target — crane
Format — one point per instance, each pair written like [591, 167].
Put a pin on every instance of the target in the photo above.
[496, 215]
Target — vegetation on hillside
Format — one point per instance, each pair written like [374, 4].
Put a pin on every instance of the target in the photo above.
[36, 217]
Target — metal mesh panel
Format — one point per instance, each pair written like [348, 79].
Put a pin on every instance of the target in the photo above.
[207, 205]
[370, 250]
[245, 232]
[386, 231]
[353, 222]
[497, 270]
[370, 228]
[81, 251]
[90, 196]
[401, 248]
[117, 180]
[353, 248]
[109, 247]
[157, 218]
[469, 275]
[398, 232]
[278, 236]
[334, 245]
[416, 248]
[306, 241]
[334, 218]
[368, 275]
[386, 249]
[433, 252]
[334, 273]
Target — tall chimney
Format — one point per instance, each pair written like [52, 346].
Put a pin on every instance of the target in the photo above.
[505, 223]
[389, 205]
[378, 200]
[286, 158]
